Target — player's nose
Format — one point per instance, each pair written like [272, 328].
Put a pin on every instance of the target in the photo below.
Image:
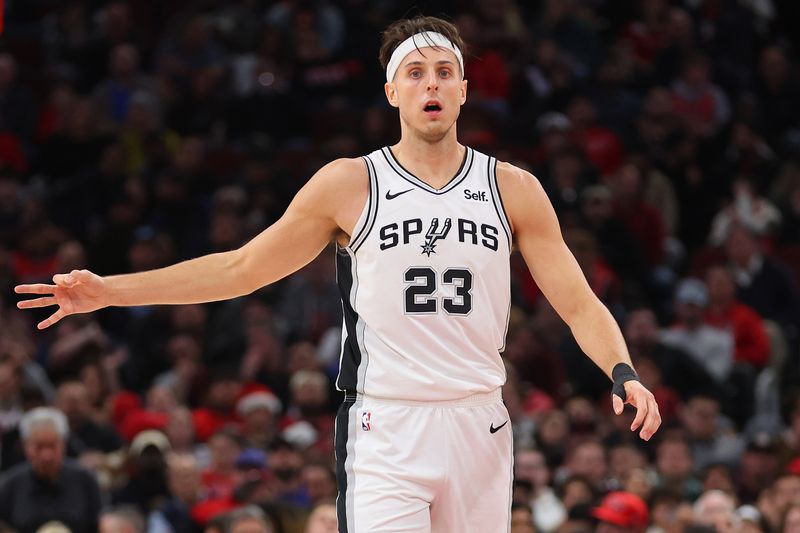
[433, 81]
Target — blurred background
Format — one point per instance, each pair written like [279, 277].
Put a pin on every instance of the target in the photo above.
[134, 134]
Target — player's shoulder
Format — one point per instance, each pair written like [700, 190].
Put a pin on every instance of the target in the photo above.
[346, 174]
[513, 178]
[345, 167]
[522, 194]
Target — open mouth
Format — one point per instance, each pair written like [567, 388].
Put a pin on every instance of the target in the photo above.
[432, 108]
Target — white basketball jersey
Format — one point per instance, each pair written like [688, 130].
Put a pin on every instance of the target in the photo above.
[425, 285]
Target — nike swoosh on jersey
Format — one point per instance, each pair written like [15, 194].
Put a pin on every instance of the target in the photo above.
[493, 429]
[390, 196]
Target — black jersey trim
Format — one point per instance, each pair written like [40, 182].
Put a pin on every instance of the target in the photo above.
[497, 200]
[351, 356]
[372, 216]
[510, 486]
[372, 206]
[343, 430]
[460, 175]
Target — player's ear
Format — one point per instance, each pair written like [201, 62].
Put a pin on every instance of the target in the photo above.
[463, 91]
[391, 94]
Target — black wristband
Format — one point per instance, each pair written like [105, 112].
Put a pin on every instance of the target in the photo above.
[621, 373]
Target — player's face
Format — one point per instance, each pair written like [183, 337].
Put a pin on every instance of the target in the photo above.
[429, 92]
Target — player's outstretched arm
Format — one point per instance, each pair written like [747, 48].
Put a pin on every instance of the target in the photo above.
[307, 226]
[552, 265]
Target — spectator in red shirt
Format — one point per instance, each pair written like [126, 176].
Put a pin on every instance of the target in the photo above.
[602, 146]
[647, 34]
[489, 77]
[221, 479]
[725, 311]
[702, 104]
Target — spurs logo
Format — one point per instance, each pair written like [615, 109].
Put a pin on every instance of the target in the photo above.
[434, 234]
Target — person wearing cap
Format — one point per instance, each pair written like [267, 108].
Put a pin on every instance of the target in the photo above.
[621, 512]
[760, 463]
[423, 231]
[711, 347]
[258, 410]
[147, 482]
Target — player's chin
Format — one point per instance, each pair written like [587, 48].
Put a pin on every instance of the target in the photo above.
[433, 134]
[437, 127]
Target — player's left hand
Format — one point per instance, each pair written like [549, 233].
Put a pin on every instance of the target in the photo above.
[647, 415]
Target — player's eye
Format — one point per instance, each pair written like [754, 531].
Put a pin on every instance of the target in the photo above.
[416, 74]
[445, 73]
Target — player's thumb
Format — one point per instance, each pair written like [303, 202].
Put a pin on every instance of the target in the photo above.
[80, 275]
[64, 280]
[617, 403]
[71, 279]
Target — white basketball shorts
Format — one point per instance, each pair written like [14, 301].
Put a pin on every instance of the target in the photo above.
[439, 467]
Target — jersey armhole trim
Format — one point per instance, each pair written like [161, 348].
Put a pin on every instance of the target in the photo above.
[497, 200]
[363, 231]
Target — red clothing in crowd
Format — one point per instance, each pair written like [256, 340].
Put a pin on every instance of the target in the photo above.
[603, 148]
[645, 224]
[218, 486]
[644, 40]
[208, 421]
[701, 108]
[752, 343]
[488, 76]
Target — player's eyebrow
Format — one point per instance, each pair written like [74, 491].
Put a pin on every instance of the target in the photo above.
[440, 62]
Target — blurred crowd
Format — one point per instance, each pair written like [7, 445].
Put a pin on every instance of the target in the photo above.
[134, 134]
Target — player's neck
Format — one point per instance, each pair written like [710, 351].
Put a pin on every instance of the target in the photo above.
[435, 163]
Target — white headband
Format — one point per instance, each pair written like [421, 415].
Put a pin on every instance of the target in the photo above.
[416, 41]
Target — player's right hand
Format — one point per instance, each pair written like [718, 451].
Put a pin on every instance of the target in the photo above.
[80, 291]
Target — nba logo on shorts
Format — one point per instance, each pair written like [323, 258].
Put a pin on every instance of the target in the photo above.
[365, 418]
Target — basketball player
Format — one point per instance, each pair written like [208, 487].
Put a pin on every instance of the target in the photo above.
[423, 232]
